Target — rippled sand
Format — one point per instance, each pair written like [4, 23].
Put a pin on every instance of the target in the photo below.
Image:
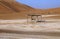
[19, 29]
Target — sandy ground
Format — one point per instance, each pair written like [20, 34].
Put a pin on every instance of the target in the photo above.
[20, 29]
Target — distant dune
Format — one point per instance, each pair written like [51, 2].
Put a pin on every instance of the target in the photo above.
[54, 10]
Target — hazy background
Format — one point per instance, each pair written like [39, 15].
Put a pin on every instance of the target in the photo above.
[43, 4]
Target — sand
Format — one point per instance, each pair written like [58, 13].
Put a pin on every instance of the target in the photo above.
[19, 29]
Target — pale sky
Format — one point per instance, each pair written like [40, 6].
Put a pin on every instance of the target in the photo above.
[42, 4]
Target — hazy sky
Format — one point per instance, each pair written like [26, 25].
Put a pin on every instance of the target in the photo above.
[43, 4]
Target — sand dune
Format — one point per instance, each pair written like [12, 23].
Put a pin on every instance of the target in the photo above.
[18, 10]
